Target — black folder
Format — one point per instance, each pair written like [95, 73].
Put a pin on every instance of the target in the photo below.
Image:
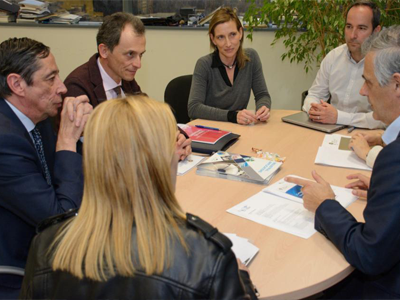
[223, 144]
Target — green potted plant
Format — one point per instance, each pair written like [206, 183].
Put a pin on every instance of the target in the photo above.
[309, 28]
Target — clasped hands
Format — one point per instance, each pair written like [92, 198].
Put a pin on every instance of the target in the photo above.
[246, 117]
[316, 192]
[183, 146]
[74, 115]
[323, 113]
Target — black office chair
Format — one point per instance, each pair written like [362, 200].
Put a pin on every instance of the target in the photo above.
[177, 96]
[12, 270]
[304, 95]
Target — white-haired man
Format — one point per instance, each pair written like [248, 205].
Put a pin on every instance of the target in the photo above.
[372, 247]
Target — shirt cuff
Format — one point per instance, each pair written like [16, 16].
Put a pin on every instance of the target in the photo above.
[372, 155]
[343, 118]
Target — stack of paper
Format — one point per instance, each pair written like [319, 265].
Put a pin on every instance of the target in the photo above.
[64, 18]
[33, 9]
[280, 206]
[239, 167]
[243, 249]
[190, 162]
[335, 152]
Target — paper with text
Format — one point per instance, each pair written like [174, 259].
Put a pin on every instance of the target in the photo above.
[292, 191]
[278, 213]
[334, 152]
[280, 206]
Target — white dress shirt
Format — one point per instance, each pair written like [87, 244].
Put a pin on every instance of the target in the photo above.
[28, 124]
[391, 132]
[388, 136]
[340, 77]
[108, 83]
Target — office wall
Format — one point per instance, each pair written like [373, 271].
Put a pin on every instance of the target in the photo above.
[171, 53]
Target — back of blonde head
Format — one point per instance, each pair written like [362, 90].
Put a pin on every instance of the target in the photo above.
[128, 149]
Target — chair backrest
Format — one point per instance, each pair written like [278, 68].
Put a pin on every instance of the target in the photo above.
[177, 96]
[12, 270]
[304, 95]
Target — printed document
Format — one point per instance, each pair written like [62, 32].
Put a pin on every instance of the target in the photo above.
[335, 152]
[280, 206]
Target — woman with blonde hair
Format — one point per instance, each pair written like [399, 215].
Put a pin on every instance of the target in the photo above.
[131, 239]
[222, 81]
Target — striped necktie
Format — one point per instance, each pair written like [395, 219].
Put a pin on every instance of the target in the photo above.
[37, 138]
[117, 89]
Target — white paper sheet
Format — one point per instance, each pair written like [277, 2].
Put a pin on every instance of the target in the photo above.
[274, 207]
[332, 154]
[292, 192]
[278, 213]
[333, 140]
[339, 158]
[243, 249]
[190, 162]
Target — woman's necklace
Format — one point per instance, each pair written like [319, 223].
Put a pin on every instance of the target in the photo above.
[230, 66]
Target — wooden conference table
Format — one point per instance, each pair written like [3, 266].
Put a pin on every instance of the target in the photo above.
[287, 266]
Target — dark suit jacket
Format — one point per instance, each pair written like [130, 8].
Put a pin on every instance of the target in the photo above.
[372, 247]
[86, 80]
[25, 197]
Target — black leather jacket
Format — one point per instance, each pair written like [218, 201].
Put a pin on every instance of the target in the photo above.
[209, 272]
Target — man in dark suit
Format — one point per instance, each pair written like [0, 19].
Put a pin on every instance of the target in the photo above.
[372, 247]
[40, 173]
[110, 73]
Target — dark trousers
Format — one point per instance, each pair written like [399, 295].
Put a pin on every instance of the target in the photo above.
[10, 286]
[357, 286]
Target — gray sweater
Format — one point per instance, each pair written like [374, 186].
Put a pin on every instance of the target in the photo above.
[211, 98]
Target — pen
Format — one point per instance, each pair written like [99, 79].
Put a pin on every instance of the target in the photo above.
[206, 127]
[183, 132]
[351, 129]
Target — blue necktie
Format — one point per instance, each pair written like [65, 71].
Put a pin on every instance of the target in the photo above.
[39, 148]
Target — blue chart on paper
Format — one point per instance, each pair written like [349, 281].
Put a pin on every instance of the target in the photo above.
[295, 191]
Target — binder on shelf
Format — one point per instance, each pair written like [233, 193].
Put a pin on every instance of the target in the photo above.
[9, 7]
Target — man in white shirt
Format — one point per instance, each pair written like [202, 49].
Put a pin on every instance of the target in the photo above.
[339, 78]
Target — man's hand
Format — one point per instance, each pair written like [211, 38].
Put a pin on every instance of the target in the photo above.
[183, 146]
[74, 116]
[246, 117]
[263, 114]
[314, 193]
[359, 145]
[323, 113]
[373, 137]
[361, 186]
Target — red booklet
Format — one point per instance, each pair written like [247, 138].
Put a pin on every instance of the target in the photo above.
[203, 135]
